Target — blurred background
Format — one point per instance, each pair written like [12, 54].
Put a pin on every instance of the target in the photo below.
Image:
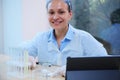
[20, 20]
[93, 15]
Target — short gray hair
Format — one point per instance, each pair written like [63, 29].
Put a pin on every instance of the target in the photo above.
[68, 2]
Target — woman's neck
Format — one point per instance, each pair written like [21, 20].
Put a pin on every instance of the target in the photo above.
[60, 34]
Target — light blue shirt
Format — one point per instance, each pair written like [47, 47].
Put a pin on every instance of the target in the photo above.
[76, 43]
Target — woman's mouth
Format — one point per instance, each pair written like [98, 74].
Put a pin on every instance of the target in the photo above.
[57, 22]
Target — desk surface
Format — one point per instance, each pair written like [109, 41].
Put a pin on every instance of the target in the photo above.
[32, 76]
[51, 69]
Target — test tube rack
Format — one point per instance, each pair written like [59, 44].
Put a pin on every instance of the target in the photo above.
[18, 65]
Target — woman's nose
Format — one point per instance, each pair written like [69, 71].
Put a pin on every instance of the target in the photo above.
[56, 16]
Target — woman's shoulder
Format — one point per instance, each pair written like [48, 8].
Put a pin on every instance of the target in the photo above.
[42, 35]
[81, 33]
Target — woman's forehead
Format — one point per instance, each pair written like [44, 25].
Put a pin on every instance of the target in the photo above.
[57, 4]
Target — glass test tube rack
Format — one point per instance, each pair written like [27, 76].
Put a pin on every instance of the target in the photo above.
[18, 65]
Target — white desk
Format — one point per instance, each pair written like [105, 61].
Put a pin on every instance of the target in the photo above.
[3, 72]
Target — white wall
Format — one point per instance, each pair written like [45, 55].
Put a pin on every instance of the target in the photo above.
[34, 18]
[22, 20]
[1, 29]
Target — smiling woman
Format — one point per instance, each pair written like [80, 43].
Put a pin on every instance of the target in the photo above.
[59, 16]
[63, 40]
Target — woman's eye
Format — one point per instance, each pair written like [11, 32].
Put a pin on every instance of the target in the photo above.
[51, 13]
[61, 12]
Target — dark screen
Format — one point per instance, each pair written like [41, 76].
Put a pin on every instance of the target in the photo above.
[93, 68]
[93, 75]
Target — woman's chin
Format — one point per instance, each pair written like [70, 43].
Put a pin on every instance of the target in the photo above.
[56, 26]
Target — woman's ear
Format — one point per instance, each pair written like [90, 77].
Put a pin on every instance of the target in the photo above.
[70, 14]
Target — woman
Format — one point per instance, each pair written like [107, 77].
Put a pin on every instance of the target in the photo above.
[62, 41]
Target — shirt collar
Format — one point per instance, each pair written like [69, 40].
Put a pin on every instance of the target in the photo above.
[69, 34]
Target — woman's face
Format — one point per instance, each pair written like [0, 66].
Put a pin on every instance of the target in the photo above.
[58, 14]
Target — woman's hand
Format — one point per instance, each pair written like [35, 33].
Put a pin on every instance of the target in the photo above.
[33, 61]
[60, 72]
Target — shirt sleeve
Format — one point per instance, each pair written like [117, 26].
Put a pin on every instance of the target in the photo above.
[31, 48]
[91, 46]
[32, 45]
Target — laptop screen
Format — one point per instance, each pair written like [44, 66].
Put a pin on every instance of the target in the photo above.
[93, 68]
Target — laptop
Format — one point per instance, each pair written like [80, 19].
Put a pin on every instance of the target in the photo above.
[93, 68]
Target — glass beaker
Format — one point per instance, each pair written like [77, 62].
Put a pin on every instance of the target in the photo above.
[45, 69]
[41, 72]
